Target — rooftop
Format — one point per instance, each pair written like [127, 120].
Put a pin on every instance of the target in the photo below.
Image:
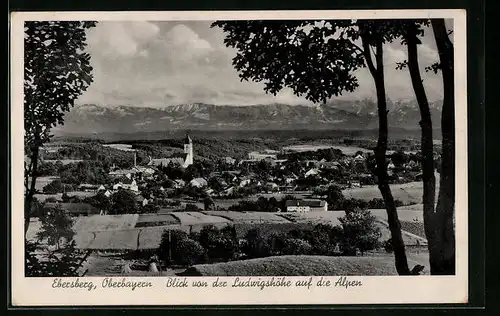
[310, 203]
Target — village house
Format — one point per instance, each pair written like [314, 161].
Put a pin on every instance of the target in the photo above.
[312, 172]
[127, 185]
[258, 156]
[304, 206]
[122, 173]
[179, 184]
[198, 183]
[86, 187]
[227, 191]
[245, 181]
[359, 158]
[141, 200]
[229, 160]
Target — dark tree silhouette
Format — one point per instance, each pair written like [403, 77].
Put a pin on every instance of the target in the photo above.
[123, 202]
[56, 71]
[317, 59]
[438, 221]
[440, 226]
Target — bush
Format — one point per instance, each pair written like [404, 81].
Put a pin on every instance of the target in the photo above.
[56, 225]
[359, 232]
[295, 246]
[192, 208]
[335, 198]
[255, 245]
[388, 246]
[168, 245]
[149, 209]
[53, 187]
[323, 239]
[219, 244]
[123, 202]
[277, 243]
[188, 252]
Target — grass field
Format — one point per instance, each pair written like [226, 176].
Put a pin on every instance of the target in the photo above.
[197, 218]
[408, 193]
[116, 240]
[96, 223]
[331, 218]
[135, 231]
[298, 266]
[145, 220]
[58, 196]
[249, 217]
[41, 182]
[346, 150]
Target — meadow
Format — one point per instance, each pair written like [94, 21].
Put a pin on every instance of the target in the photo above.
[300, 266]
[133, 231]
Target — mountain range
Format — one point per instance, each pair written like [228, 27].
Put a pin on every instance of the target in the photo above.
[349, 115]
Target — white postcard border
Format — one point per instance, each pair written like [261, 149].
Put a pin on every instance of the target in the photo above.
[375, 290]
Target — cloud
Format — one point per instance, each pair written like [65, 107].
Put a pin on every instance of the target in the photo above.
[120, 39]
[163, 63]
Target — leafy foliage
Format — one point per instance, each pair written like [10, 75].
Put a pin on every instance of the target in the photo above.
[188, 252]
[99, 201]
[65, 262]
[123, 202]
[256, 246]
[334, 196]
[302, 55]
[177, 247]
[53, 187]
[296, 246]
[56, 224]
[359, 231]
[56, 71]
[219, 244]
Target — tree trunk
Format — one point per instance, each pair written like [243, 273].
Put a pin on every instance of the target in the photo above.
[428, 178]
[380, 154]
[444, 262]
[30, 190]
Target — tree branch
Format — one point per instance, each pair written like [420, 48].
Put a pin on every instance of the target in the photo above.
[368, 55]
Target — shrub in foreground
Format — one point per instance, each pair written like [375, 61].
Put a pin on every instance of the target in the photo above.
[189, 252]
[360, 232]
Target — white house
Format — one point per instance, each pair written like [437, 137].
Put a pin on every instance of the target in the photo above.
[311, 172]
[390, 165]
[229, 160]
[132, 186]
[178, 183]
[227, 191]
[122, 172]
[257, 156]
[359, 158]
[198, 183]
[245, 181]
[304, 206]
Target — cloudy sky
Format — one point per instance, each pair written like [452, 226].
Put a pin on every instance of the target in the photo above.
[155, 64]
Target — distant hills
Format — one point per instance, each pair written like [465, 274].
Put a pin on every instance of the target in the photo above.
[91, 119]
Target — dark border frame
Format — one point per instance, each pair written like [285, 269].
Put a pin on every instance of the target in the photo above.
[476, 127]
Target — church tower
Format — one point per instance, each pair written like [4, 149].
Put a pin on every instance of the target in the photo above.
[188, 150]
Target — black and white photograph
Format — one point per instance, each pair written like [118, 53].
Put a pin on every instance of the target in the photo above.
[233, 147]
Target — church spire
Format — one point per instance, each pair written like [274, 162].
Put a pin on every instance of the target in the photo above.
[187, 140]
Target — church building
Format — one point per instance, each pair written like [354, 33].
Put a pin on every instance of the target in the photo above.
[184, 160]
